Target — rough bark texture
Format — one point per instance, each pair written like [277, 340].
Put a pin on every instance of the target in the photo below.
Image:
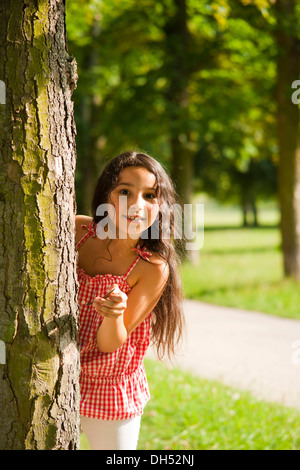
[39, 394]
[288, 70]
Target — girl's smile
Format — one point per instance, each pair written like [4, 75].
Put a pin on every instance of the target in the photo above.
[134, 218]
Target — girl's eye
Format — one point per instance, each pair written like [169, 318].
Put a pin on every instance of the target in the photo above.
[124, 191]
[150, 196]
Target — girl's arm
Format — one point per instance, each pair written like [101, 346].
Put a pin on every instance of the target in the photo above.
[111, 333]
[130, 313]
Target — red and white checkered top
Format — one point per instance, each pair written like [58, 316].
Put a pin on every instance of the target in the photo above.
[113, 385]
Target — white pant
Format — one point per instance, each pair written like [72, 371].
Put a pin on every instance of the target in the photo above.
[111, 435]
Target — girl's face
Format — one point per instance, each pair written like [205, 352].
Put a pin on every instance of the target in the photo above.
[135, 201]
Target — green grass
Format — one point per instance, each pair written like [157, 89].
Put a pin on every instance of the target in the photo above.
[190, 413]
[242, 267]
[187, 412]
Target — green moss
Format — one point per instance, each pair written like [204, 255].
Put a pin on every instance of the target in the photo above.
[42, 434]
[34, 265]
[8, 333]
[45, 366]
[47, 211]
[12, 80]
[33, 377]
[19, 369]
[42, 103]
[49, 307]
[14, 27]
[14, 171]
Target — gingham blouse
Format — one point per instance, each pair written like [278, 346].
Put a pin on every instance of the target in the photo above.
[113, 385]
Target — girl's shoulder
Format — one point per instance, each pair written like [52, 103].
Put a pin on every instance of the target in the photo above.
[156, 267]
[156, 258]
[83, 219]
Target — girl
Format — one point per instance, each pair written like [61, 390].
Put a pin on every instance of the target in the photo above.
[146, 303]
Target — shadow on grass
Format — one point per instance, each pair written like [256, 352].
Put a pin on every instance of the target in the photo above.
[228, 291]
[238, 287]
[240, 250]
[239, 227]
[240, 231]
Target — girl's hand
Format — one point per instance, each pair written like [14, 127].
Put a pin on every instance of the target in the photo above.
[113, 306]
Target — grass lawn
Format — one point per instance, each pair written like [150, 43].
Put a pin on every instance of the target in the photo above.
[190, 413]
[241, 267]
[187, 412]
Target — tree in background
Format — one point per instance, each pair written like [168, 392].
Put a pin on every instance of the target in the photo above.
[237, 157]
[179, 78]
[166, 77]
[141, 82]
[246, 186]
[178, 68]
[39, 394]
[287, 34]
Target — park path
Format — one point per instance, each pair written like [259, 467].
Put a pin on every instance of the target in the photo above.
[248, 350]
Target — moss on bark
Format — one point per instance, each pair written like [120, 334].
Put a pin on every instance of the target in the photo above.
[39, 395]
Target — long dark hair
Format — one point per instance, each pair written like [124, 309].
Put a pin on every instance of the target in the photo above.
[168, 321]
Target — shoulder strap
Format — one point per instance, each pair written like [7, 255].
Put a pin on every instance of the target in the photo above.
[131, 267]
[142, 253]
[91, 232]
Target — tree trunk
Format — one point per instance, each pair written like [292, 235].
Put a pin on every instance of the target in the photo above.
[177, 61]
[245, 214]
[179, 69]
[39, 393]
[249, 209]
[288, 70]
[254, 213]
[87, 125]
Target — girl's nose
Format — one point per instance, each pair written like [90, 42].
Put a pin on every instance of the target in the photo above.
[137, 204]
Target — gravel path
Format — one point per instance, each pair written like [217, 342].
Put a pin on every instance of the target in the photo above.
[248, 350]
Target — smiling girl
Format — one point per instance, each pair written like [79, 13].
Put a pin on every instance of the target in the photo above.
[130, 257]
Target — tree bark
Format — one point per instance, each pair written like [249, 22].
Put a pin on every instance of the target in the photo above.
[288, 70]
[39, 393]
